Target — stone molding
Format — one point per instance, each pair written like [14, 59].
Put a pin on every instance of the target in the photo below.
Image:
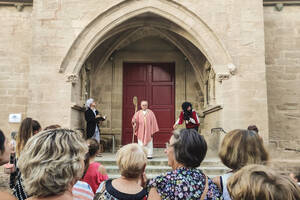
[212, 109]
[135, 35]
[284, 2]
[279, 4]
[19, 4]
[12, 2]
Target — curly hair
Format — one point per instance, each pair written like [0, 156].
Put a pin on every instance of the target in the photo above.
[52, 161]
[260, 182]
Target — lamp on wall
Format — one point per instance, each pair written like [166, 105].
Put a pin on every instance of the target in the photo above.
[232, 68]
[279, 6]
[19, 6]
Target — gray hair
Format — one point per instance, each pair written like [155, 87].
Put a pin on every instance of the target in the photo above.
[52, 161]
[88, 103]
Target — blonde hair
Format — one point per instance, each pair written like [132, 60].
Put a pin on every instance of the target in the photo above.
[259, 182]
[131, 159]
[52, 161]
[242, 147]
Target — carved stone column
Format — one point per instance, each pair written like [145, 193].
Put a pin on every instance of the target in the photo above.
[212, 87]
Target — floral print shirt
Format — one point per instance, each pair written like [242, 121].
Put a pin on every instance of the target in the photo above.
[184, 183]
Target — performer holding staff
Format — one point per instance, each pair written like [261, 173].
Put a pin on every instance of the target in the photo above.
[92, 118]
[144, 124]
[189, 116]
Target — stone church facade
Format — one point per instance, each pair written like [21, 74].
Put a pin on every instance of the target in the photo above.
[238, 62]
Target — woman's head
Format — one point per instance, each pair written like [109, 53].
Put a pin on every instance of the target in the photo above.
[186, 147]
[36, 127]
[4, 149]
[132, 159]
[186, 106]
[28, 128]
[52, 161]
[93, 147]
[260, 182]
[242, 147]
[90, 103]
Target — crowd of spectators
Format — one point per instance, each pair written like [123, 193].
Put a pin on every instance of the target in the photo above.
[60, 164]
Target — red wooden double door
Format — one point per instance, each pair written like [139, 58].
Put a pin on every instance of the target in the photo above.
[154, 82]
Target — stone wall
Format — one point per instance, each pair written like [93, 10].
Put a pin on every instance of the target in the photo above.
[226, 32]
[282, 40]
[15, 51]
[213, 139]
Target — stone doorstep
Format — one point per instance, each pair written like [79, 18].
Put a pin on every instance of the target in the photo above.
[110, 159]
[150, 176]
[153, 162]
[159, 164]
[150, 169]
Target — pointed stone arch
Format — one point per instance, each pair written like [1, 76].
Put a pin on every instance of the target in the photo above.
[200, 34]
[123, 40]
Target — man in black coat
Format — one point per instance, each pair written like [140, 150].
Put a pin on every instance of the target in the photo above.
[92, 118]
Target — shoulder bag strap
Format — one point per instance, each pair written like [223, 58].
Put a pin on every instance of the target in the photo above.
[98, 195]
[205, 189]
[103, 187]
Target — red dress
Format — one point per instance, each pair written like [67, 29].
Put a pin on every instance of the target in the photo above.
[93, 177]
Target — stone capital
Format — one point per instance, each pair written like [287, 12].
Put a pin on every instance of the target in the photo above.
[73, 78]
[222, 77]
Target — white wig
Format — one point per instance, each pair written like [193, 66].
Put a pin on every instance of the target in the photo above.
[88, 103]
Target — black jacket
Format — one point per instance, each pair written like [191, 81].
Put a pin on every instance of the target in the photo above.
[91, 122]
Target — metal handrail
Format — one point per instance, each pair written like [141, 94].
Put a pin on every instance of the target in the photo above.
[217, 130]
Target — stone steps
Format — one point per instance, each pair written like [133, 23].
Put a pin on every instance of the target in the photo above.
[159, 164]
[152, 162]
[156, 170]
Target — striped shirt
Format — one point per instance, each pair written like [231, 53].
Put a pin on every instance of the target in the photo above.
[82, 191]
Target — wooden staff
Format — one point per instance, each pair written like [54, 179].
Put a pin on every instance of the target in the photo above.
[135, 102]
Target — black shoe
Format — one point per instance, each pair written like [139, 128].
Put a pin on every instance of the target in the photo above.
[149, 157]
